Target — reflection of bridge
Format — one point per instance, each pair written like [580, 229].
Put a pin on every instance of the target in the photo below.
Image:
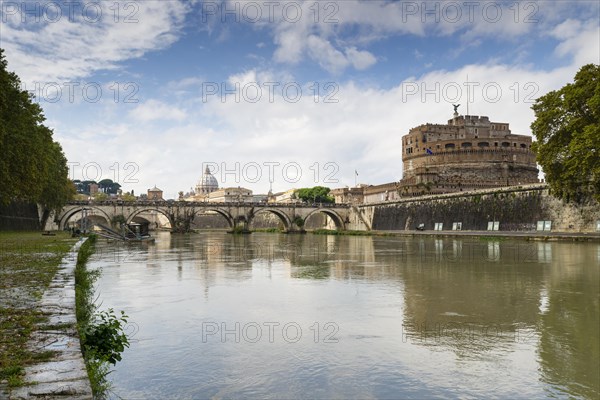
[238, 215]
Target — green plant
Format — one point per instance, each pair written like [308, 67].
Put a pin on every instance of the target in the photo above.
[104, 338]
[298, 221]
[101, 334]
[238, 230]
[268, 230]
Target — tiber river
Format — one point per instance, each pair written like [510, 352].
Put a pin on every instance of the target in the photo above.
[308, 316]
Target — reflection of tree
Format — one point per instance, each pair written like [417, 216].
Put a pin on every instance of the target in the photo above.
[570, 328]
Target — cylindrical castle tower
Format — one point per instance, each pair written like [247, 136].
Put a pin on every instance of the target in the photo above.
[470, 152]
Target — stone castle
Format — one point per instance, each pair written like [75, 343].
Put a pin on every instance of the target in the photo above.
[469, 152]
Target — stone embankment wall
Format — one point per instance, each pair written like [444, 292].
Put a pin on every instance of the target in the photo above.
[18, 216]
[515, 208]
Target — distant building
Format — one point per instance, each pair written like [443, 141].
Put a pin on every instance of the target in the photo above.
[380, 193]
[93, 189]
[260, 198]
[289, 196]
[155, 194]
[207, 183]
[349, 195]
[230, 195]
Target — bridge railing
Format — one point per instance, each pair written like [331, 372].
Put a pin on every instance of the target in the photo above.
[168, 203]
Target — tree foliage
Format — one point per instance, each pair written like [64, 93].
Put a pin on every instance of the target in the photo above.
[33, 167]
[108, 186]
[567, 129]
[317, 194]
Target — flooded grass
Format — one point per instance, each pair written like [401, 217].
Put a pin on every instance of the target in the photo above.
[28, 262]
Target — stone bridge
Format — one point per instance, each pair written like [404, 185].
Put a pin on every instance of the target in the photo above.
[181, 213]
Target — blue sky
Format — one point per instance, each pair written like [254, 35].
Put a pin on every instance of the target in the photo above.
[367, 71]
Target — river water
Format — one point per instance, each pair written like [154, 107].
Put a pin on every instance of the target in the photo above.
[308, 316]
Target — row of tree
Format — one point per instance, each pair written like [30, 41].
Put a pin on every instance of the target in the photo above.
[33, 167]
[105, 186]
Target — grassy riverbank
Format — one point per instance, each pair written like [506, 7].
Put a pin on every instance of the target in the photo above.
[85, 310]
[28, 262]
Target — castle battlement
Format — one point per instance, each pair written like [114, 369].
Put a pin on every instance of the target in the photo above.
[468, 151]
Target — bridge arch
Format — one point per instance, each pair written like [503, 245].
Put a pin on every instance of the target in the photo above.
[164, 212]
[223, 213]
[68, 214]
[335, 217]
[285, 219]
[139, 211]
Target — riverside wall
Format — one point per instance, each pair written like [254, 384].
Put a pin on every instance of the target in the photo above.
[516, 209]
[19, 216]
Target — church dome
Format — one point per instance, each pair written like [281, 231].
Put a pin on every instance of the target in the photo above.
[207, 183]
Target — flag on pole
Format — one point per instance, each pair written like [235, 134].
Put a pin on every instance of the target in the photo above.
[428, 151]
[356, 172]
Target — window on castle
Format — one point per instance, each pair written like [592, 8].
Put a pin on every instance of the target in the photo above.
[467, 144]
[449, 146]
[505, 144]
[483, 144]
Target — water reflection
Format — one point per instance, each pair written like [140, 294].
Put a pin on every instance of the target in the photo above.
[569, 345]
[411, 317]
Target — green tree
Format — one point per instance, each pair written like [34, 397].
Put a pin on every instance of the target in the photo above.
[100, 196]
[317, 194]
[33, 167]
[567, 129]
[109, 186]
[128, 197]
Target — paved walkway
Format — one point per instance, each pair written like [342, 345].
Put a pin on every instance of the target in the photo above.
[65, 376]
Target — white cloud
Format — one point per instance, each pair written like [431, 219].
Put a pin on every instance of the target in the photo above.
[153, 110]
[291, 46]
[360, 59]
[330, 36]
[580, 40]
[74, 47]
[326, 55]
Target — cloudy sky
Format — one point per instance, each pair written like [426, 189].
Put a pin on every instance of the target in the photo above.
[296, 93]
